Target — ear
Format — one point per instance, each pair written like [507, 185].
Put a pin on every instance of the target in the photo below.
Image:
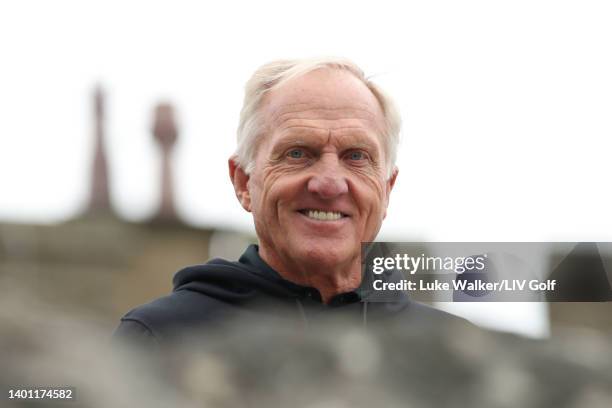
[240, 181]
[389, 186]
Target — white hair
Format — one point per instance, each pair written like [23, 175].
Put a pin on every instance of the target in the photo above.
[274, 74]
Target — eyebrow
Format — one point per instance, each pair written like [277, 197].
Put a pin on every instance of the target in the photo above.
[299, 138]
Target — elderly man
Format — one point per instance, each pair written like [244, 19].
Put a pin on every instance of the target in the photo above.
[315, 165]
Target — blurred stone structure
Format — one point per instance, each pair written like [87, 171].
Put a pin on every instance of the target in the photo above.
[165, 134]
[269, 365]
[100, 197]
[98, 263]
[583, 274]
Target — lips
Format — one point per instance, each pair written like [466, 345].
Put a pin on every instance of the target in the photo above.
[323, 215]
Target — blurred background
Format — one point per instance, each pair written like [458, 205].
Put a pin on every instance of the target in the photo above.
[117, 119]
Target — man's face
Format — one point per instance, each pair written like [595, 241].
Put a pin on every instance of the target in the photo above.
[319, 186]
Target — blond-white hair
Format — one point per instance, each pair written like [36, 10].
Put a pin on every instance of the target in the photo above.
[274, 74]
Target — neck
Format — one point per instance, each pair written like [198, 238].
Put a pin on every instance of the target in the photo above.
[337, 278]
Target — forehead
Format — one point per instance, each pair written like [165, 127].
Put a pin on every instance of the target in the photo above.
[323, 100]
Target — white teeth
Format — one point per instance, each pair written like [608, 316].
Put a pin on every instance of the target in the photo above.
[323, 215]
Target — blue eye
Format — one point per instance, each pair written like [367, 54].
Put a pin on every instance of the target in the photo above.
[356, 155]
[296, 153]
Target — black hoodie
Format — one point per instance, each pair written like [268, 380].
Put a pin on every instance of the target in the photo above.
[216, 293]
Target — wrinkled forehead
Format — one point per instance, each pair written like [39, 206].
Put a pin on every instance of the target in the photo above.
[330, 95]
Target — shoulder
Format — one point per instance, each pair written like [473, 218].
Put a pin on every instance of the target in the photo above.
[161, 319]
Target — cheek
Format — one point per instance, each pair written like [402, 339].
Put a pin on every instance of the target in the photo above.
[370, 193]
[370, 198]
[277, 187]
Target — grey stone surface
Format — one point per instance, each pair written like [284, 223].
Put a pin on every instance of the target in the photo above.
[256, 364]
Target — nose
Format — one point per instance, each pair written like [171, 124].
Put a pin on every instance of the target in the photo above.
[327, 179]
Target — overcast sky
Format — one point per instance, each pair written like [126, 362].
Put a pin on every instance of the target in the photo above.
[506, 106]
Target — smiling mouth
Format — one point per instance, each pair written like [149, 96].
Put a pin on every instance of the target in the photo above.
[321, 215]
